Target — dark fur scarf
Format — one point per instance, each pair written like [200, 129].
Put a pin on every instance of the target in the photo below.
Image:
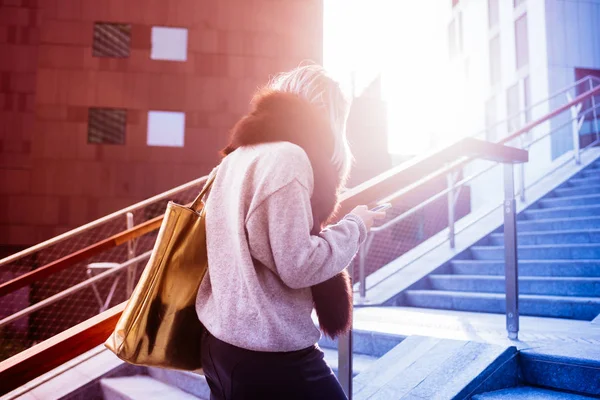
[277, 116]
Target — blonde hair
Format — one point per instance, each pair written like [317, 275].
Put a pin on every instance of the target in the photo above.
[312, 83]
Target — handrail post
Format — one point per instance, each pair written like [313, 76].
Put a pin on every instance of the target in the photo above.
[451, 200]
[130, 254]
[511, 263]
[345, 353]
[362, 276]
[595, 117]
[522, 173]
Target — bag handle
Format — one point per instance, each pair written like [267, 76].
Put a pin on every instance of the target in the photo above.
[196, 204]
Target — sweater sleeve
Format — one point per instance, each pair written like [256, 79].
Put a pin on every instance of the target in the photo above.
[280, 226]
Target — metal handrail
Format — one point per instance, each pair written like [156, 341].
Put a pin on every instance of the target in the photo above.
[103, 322]
[57, 239]
[528, 127]
[565, 89]
[73, 289]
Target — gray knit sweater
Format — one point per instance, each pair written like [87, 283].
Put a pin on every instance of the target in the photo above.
[259, 207]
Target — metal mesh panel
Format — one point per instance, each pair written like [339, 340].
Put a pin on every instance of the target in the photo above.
[111, 40]
[107, 126]
[82, 304]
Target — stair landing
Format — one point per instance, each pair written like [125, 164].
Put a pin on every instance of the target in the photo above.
[482, 327]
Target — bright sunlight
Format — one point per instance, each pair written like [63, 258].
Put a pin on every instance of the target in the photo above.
[405, 42]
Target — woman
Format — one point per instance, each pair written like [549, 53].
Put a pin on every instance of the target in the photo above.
[271, 255]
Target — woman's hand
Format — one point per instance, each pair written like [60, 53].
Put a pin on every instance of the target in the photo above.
[367, 216]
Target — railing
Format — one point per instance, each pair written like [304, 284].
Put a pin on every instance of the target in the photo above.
[41, 358]
[50, 260]
[384, 243]
[68, 279]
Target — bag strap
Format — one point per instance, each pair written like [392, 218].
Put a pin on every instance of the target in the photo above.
[197, 203]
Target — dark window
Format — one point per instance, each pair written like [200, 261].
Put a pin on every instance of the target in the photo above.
[527, 99]
[512, 108]
[495, 64]
[111, 40]
[518, 2]
[106, 126]
[521, 41]
[490, 120]
[452, 44]
[493, 13]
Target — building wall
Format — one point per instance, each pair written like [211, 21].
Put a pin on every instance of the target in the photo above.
[573, 42]
[51, 178]
[473, 65]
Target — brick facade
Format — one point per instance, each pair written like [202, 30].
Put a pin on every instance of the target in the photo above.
[51, 178]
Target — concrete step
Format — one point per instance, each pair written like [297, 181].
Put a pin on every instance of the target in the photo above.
[585, 181]
[570, 201]
[588, 251]
[556, 268]
[360, 362]
[573, 367]
[528, 393]
[141, 387]
[582, 308]
[374, 344]
[560, 212]
[589, 173]
[558, 224]
[577, 191]
[190, 382]
[550, 237]
[433, 368]
[554, 286]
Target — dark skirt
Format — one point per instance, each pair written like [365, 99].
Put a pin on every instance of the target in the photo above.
[234, 373]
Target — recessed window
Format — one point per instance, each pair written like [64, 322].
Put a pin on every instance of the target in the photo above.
[169, 44]
[166, 128]
[106, 126]
[111, 40]
[495, 65]
[522, 41]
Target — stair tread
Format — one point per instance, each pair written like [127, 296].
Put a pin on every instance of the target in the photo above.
[497, 296]
[144, 387]
[360, 362]
[554, 232]
[560, 219]
[568, 208]
[550, 261]
[538, 246]
[528, 393]
[523, 277]
[565, 198]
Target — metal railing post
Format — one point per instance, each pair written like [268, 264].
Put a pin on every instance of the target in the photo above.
[362, 276]
[511, 262]
[345, 354]
[131, 270]
[451, 202]
[595, 117]
[522, 173]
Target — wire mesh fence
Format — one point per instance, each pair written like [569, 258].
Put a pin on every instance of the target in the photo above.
[56, 316]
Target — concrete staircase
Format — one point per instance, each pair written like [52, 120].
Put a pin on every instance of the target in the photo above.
[566, 372]
[559, 260]
[169, 384]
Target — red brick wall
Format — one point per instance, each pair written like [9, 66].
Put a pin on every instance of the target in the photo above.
[51, 178]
